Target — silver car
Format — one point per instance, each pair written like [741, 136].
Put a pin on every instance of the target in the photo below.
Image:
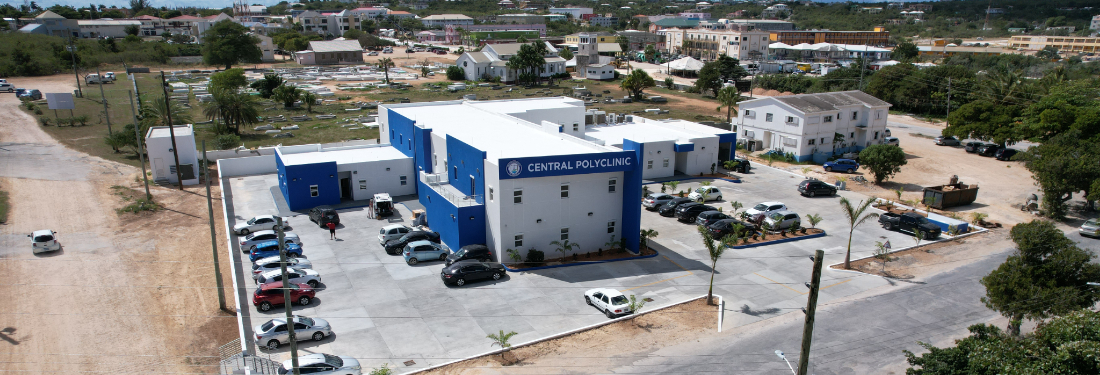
[654, 200]
[782, 220]
[248, 242]
[1090, 228]
[272, 264]
[275, 332]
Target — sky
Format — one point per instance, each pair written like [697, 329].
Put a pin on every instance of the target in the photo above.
[228, 3]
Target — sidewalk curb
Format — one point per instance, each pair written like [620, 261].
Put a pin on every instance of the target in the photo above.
[581, 263]
[782, 240]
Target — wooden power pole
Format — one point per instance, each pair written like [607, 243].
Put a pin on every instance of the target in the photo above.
[811, 308]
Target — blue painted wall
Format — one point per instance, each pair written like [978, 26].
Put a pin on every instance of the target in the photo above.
[401, 133]
[465, 161]
[422, 148]
[683, 147]
[457, 226]
[295, 180]
[632, 197]
[730, 138]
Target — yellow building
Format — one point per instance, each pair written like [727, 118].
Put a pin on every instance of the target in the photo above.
[604, 41]
[1062, 43]
[941, 51]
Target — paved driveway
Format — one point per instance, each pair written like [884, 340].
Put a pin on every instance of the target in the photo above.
[385, 311]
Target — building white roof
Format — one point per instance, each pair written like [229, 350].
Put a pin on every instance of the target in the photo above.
[350, 155]
[335, 46]
[827, 47]
[107, 23]
[646, 130]
[162, 131]
[447, 17]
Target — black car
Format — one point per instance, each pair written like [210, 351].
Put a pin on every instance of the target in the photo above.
[721, 228]
[395, 246]
[1005, 154]
[471, 270]
[988, 149]
[470, 252]
[687, 213]
[669, 209]
[710, 217]
[742, 166]
[972, 147]
[323, 215]
[815, 187]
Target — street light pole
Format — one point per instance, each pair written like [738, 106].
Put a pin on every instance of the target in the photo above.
[72, 54]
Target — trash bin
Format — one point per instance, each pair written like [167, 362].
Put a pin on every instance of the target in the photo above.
[842, 185]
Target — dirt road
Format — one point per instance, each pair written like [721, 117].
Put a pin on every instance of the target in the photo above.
[128, 293]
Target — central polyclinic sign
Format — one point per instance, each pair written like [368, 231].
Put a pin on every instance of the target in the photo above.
[562, 165]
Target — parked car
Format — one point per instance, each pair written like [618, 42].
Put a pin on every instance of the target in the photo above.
[988, 149]
[96, 78]
[609, 301]
[474, 252]
[742, 165]
[395, 246]
[815, 187]
[323, 364]
[653, 201]
[1005, 154]
[782, 220]
[258, 223]
[669, 209]
[296, 276]
[44, 241]
[706, 193]
[392, 232]
[1091, 228]
[271, 248]
[440, 52]
[275, 331]
[687, 213]
[724, 227]
[909, 222]
[972, 147]
[845, 165]
[465, 271]
[250, 241]
[268, 296]
[710, 217]
[946, 141]
[272, 263]
[892, 141]
[323, 215]
[31, 94]
[110, 76]
[424, 250]
[759, 211]
[372, 53]
[7, 87]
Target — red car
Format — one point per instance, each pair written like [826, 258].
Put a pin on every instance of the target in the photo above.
[440, 52]
[271, 294]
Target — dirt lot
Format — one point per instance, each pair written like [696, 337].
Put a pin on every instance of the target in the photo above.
[128, 293]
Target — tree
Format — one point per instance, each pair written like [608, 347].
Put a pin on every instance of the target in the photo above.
[286, 95]
[855, 217]
[624, 43]
[715, 250]
[1048, 53]
[985, 120]
[309, 98]
[729, 97]
[564, 247]
[882, 160]
[156, 112]
[528, 61]
[906, 52]
[729, 69]
[385, 64]
[226, 142]
[635, 306]
[502, 340]
[882, 253]
[710, 79]
[650, 52]
[234, 108]
[228, 43]
[368, 26]
[132, 30]
[231, 79]
[1046, 276]
[637, 81]
[669, 83]
[456, 73]
[267, 85]
[1068, 105]
[1065, 164]
[647, 234]
[353, 34]
[136, 6]
[566, 54]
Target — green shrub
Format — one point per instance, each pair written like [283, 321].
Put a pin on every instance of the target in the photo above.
[455, 73]
[38, 111]
[45, 120]
[227, 142]
[140, 205]
[535, 256]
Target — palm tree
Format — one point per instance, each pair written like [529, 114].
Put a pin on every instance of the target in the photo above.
[646, 235]
[729, 97]
[566, 246]
[672, 185]
[286, 95]
[855, 218]
[309, 98]
[157, 112]
[715, 250]
[234, 108]
[385, 64]
[502, 340]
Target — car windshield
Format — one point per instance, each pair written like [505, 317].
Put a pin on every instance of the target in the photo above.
[1093, 222]
[776, 216]
[922, 220]
[267, 326]
[618, 300]
[43, 238]
[460, 253]
[700, 190]
[761, 207]
[306, 321]
[384, 205]
[252, 221]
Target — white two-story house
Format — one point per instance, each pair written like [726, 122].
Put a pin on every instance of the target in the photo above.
[807, 125]
[492, 61]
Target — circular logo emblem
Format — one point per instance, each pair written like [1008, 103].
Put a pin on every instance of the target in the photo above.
[514, 168]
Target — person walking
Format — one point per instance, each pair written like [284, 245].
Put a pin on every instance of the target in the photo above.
[370, 208]
[332, 230]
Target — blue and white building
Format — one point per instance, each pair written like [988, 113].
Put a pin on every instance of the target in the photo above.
[511, 174]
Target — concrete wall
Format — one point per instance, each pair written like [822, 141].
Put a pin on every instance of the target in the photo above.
[381, 176]
[457, 226]
[246, 166]
[295, 182]
[663, 158]
[161, 159]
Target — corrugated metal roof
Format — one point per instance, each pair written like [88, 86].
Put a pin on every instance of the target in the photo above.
[829, 101]
[479, 57]
[335, 46]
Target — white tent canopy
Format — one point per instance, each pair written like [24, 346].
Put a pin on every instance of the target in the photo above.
[686, 63]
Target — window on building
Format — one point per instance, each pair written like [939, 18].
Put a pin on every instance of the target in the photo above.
[829, 118]
[565, 190]
[313, 192]
[611, 227]
[666, 163]
[876, 135]
[517, 196]
[611, 184]
[878, 115]
[435, 160]
[362, 184]
[576, 127]
[649, 164]
[812, 141]
[768, 117]
[852, 136]
[404, 180]
[749, 113]
[490, 193]
[855, 116]
[564, 234]
[519, 240]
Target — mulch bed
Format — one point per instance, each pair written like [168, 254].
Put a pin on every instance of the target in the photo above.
[589, 257]
[776, 237]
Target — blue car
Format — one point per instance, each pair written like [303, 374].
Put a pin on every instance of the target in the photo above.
[846, 165]
[271, 249]
[32, 94]
[424, 250]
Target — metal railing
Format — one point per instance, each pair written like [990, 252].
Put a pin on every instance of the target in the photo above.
[439, 183]
[235, 361]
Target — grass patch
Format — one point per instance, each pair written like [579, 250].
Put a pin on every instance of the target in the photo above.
[136, 202]
[5, 207]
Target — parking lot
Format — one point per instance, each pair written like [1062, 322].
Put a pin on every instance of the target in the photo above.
[385, 311]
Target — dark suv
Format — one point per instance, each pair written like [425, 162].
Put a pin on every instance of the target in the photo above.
[669, 209]
[687, 213]
[475, 252]
[395, 246]
[815, 187]
[723, 227]
[742, 166]
[972, 147]
[323, 215]
[470, 270]
[988, 149]
[709, 217]
[1005, 154]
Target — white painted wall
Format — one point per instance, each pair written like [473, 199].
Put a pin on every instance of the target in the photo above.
[158, 149]
[247, 166]
[439, 156]
[370, 178]
[494, 239]
[663, 158]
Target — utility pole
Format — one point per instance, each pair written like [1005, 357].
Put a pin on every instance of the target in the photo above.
[811, 308]
[141, 151]
[106, 114]
[171, 128]
[213, 238]
[948, 98]
[72, 54]
[287, 303]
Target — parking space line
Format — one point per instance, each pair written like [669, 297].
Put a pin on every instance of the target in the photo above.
[830, 286]
[784, 285]
[677, 264]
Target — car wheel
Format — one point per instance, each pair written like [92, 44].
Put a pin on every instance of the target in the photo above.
[850, 170]
[719, 198]
[250, 249]
[312, 283]
[265, 306]
[812, 194]
[412, 261]
[304, 301]
[318, 336]
[273, 344]
[828, 169]
[497, 276]
[460, 282]
[244, 232]
[609, 314]
[588, 300]
[442, 256]
[832, 192]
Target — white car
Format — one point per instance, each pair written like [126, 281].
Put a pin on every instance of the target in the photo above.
[296, 276]
[610, 301]
[6, 87]
[392, 232]
[760, 211]
[275, 332]
[249, 241]
[706, 193]
[782, 220]
[323, 364]
[272, 264]
[43, 241]
[258, 223]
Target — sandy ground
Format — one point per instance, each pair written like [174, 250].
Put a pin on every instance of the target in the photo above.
[128, 293]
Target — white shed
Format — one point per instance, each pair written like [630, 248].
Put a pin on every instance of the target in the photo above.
[599, 72]
[158, 145]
